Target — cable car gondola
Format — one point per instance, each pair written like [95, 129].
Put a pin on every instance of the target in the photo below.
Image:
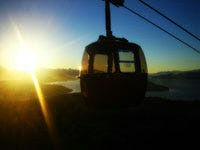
[114, 71]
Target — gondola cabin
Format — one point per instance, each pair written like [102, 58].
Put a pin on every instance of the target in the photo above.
[114, 72]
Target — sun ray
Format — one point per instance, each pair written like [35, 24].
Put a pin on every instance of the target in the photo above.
[26, 61]
[45, 111]
[19, 36]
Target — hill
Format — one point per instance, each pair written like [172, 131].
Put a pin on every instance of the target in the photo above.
[157, 123]
[43, 75]
[155, 87]
[193, 74]
[52, 75]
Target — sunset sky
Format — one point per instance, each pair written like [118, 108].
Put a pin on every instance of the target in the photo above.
[56, 31]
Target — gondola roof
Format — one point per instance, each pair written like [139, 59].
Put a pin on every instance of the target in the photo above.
[104, 44]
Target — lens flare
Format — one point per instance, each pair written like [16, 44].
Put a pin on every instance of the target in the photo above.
[45, 111]
[80, 68]
[26, 61]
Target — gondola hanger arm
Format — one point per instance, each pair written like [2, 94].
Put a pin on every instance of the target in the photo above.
[117, 3]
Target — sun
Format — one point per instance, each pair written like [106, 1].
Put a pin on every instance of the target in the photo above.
[26, 61]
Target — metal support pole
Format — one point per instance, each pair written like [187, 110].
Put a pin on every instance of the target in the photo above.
[108, 19]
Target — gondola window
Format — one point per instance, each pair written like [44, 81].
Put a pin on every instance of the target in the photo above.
[100, 63]
[85, 64]
[126, 61]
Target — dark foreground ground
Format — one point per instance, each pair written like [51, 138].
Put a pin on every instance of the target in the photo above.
[157, 123]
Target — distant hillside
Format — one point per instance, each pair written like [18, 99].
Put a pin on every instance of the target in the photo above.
[43, 75]
[152, 87]
[52, 75]
[2, 70]
[193, 74]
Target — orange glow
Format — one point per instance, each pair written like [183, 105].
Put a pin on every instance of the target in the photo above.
[80, 68]
[26, 61]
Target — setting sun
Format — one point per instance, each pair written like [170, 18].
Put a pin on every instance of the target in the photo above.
[26, 61]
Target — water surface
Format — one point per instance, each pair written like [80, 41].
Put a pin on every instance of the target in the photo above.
[179, 89]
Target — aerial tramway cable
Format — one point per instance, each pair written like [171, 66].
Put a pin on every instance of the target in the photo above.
[196, 50]
[170, 20]
[120, 3]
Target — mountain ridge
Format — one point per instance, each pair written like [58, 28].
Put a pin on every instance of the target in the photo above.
[191, 74]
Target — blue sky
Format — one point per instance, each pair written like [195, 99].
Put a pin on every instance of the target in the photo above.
[58, 31]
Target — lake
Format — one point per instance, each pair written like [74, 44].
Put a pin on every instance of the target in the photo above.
[179, 89]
